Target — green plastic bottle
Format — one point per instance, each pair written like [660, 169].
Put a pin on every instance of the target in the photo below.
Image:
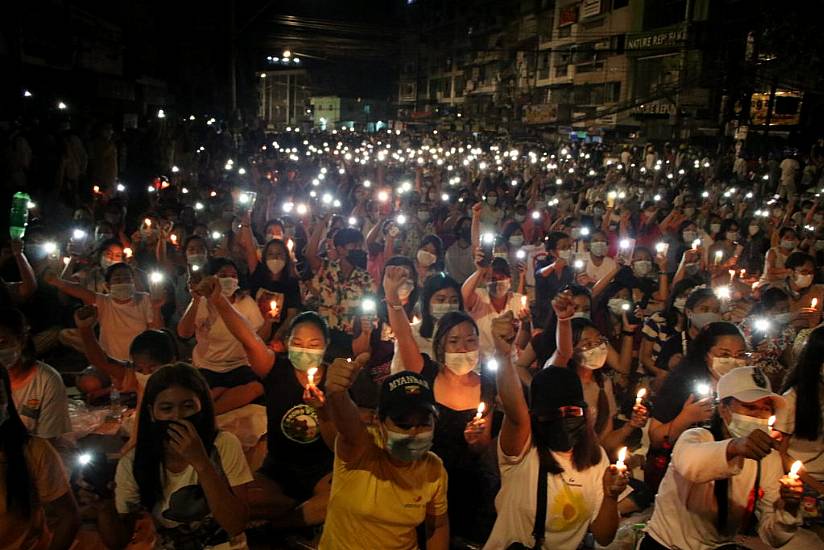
[19, 218]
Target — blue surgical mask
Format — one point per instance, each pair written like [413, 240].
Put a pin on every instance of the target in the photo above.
[304, 359]
[408, 448]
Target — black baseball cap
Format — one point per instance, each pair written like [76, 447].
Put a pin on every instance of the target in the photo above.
[405, 392]
[553, 388]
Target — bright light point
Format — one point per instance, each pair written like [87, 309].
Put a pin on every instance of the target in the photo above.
[78, 234]
[286, 54]
[198, 206]
[584, 231]
[216, 235]
[327, 198]
[520, 254]
[151, 189]
[175, 169]
[579, 264]
[723, 292]
[31, 205]
[84, 459]
[353, 220]
[445, 197]
[625, 306]
[656, 198]
[624, 243]
[26, 93]
[242, 171]
[492, 365]
[488, 238]
[288, 206]
[336, 203]
[262, 75]
[62, 106]
[156, 277]
[762, 324]
[121, 187]
[161, 113]
[536, 215]
[50, 247]
[558, 181]
[383, 196]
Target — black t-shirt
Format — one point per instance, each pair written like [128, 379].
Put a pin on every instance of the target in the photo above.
[678, 386]
[674, 345]
[544, 346]
[264, 289]
[288, 445]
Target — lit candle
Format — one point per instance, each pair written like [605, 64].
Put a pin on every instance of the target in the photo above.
[96, 189]
[813, 303]
[718, 255]
[639, 397]
[622, 456]
[310, 375]
[771, 422]
[481, 409]
[148, 222]
[732, 275]
[173, 238]
[523, 302]
[696, 243]
[742, 273]
[290, 244]
[273, 308]
[795, 469]
[128, 252]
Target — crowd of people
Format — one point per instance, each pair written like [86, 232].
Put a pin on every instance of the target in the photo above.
[451, 340]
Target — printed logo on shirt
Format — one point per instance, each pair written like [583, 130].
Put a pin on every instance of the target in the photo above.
[31, 409]
[567, 510]
[300, 424]
[417, 502]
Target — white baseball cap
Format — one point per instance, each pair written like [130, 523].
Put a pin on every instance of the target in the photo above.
[747, 384]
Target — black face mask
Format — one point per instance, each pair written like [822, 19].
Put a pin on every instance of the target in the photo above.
[357, 258]
[561, 435]
[160, 428]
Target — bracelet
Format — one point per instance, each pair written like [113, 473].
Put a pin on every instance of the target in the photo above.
[565, 318]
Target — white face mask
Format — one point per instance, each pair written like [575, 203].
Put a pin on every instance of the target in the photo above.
[715, 228]
[742, 425]
[276, 265]
[802, 280]
[439, 310]
[722, 365]
[581, 315]
[426, 258]
[122, 291]
[564, 254]
[228, 285]
[516, 240]
[594, 358]
[461, 362]
[641, 268]
[700, 320]
[787, 244]
[196, 259]
[598, 248]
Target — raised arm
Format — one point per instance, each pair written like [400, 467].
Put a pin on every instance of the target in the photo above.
[72, 289]
[353, 439]
[393, 278]
[315, 262]
[564, 310]
[28, 281]
[85, 318]
[470, 297]
[516, 428]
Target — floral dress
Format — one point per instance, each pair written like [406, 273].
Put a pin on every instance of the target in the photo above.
[768, 349]
[338, 297]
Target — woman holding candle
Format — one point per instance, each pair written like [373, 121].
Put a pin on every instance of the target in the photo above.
[700, 308]
[291, 489]
[460, 386]
[551, 440]
[725, 481]
[776, 257]
[803, 291]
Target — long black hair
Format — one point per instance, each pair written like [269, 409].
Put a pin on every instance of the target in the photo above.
[694, 363]
[670, 312]
[286, 273]
[721, 487]
[159, 345]
[433, 284]
[149, 455]
[20, 491]
[578, 326]
[805, 378]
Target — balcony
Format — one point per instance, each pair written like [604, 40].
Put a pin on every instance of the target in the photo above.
[562, 74]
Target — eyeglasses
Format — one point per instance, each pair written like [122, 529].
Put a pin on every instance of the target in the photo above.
[592, 344]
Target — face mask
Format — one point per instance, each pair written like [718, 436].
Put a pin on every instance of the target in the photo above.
[423, 215]
[679, 304]
[228, 285]
[732, 236]
[700, 320]
[561, 435]
[581, 315]
[594, 358]
[598, 248]
[499, 288]
[753, 230]
[9, 356]
[722, 365]
[802, 280]
[462, 362]
[426, 258]
[516, 240]
[405, 290]
[275, 265]
[408, 448]
[492, 200]
[439, 310]
[122, 291]
[357, 258]
[106, 263]
[641, 268]
[787, 244]
[519, 217]
[616, 305]
[782, 318]
[715, 228]
[564, 254]
[688, 236]
[742, 425]
[196, 259]
[141, 378]
[304, 359]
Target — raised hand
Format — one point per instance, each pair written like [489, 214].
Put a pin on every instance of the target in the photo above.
[85, 316]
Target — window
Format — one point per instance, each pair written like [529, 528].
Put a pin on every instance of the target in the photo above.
[565, 32]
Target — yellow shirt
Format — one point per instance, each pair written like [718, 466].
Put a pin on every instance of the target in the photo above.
[376, 504]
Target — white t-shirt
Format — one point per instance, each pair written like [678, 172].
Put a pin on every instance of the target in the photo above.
[686, 509]
[120, 323]
[811, 453]
[483, 312]
[789, 168]
[424, 346]
[217, 350]
[184, 508]
[41, 402]
[598, 272]
[574, 500]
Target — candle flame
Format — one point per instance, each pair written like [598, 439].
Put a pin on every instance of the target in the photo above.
[742, 273]
[622, 454]
[128, 252]
[813, 303]
[481, 409]
[273, 305]
[311, 375]
[148, 222]
[772, 421]
[290, 244]
[641, 393]
[795, 469]
[523, 301]
[173, 238]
